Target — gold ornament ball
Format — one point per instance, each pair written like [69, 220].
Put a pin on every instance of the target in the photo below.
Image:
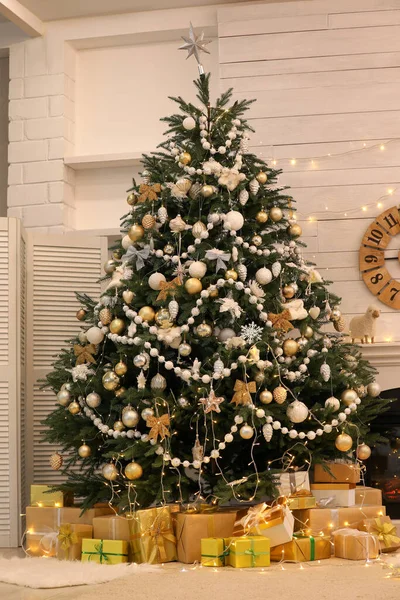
[309, 332]
[231, 274]
[136, 232]
[288, 291]
[262, 216]
[213, 294]
[84, 451]
[163, 318]
[279, 394]
[120, 391]
[246, 432]
[93, 400]
[74, 408]
[374, 389]
[207, 191]
[363, 451]
[63, 397]
[295, 230]
[185, 158]
[117, 326]
[262, 177]
[128, 296]
[275, 214]
[266, 397]
[184, 349]
[133, 471]
[148, 221]
[168, 249]
[193, 285]
[198, 228]
[336, 315]
[56, 461]
[204, 330]
[139, 360]
[118, 426]
[110, 472]
[109, 267]
[290, 347]
[121, 368]
[81, 314]
[146, 413]
[110, 381]
[130, 417]
[147, 313]
[256, 240]
[343, 442]
[349, 397]
[158, 383]
[131, 199]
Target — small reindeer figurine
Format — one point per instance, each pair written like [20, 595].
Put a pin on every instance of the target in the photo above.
[364, 327]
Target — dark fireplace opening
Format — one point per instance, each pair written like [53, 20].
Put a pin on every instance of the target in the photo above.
[383, 468]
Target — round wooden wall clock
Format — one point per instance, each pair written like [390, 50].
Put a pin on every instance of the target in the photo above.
[372, 258]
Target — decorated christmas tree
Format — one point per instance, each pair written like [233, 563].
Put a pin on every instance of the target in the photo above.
[211, 353]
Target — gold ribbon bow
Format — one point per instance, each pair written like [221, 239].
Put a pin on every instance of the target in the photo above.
[149, 192]
[242, 393]
[386, 533]
[160, 531]
[168, 287]
[281, 320]
[66, 537]
[84, 353]
[159, 427]
[259, 515]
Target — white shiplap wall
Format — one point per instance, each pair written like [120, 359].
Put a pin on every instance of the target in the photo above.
[326, 76]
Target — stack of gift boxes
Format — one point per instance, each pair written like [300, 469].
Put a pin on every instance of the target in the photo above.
[309, 522]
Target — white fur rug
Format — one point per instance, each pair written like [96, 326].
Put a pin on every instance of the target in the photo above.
[53, 573]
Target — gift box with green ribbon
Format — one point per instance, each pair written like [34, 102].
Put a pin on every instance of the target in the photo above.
[108, 552]
[214, 552]
[303, 548]
[249, 551]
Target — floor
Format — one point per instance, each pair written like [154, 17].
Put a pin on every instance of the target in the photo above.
[328, 580]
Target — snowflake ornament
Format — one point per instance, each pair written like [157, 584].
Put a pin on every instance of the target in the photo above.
[80, 372]
[230, 305]
[251, 333]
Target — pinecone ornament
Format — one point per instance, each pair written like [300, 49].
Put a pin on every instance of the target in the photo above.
[105, 316]
[254, 186]
[267, 432]
[242, 272]
[279, 394]
[340, 324]
[325, 371]
[148, 221]
[162, 214]
[244, 145]
[56, 461]
[276, 268]
[243, 197]
[173, 308]
[218, 367]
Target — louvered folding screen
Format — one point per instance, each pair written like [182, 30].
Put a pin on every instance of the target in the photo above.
[12, 374]
[57, 267]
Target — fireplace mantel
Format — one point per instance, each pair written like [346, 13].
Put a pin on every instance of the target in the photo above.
[385, 357]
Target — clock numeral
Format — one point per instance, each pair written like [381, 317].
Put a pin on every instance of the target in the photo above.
[390, 295]
[371, 258]
[376, 278]
[394, 294]
[390, 220]
[376, 236]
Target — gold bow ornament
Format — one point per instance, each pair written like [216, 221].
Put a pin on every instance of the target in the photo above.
[386, 533]
[66, 537]
[84, 353]
[281, 320]
[168, 287]
[149, 192]
[159, 427]
[242, 390]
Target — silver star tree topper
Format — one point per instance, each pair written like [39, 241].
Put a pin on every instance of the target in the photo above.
[194, 44]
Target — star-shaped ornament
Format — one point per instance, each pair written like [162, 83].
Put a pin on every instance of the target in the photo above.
[194, 44]
[211, 403]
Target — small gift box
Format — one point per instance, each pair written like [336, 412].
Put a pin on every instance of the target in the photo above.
[355, 545]
[303, 548]
[152, 537]
[43, 495]
[109, 552]
[338, 494]
[301, 500]
[322, 521]
[368, 495]
[191, 528]
[384, 530]
[249, 551]
[111, 527]
[214, 552]
[290, 482]
[275, 523]
[337, 472]
[69, 540]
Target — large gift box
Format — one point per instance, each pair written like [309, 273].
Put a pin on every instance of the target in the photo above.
[338, 494]
[368, 495]
[355, 545]
[152, 537]
[384, 530]
[41, 495]
[303, 548]
[249, 551]
[322, 521]
[276, 523]
[290, 482]
[69, 540]
[192, 527]
[111, 527]
[109, 552]
[214, 551]
[338, 472]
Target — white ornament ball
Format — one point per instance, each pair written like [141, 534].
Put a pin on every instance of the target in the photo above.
[297, 411]
[226, 334]
[263, 276]
[126, 242]
[246, 432]
[233, 221]
[94, 335]
[332, 403]
[155, 280]
[197, 269]
[189, 123]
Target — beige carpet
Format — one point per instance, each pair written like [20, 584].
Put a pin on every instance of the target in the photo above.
[333, 579]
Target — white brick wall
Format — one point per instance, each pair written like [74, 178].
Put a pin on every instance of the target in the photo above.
[41, 133]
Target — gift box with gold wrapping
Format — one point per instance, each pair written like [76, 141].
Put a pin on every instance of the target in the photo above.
[319, 521]
[303, 548]
[249, 551]
[108, 552]
[301, 500]
[214, 551]
[384, 530]
[355, 545]
[42, 496]
[338, 473]
[338, 494]
[111, 527]
[69, 540]
[368, 495]
[191, 528]
[152, 537]
[276, 523]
